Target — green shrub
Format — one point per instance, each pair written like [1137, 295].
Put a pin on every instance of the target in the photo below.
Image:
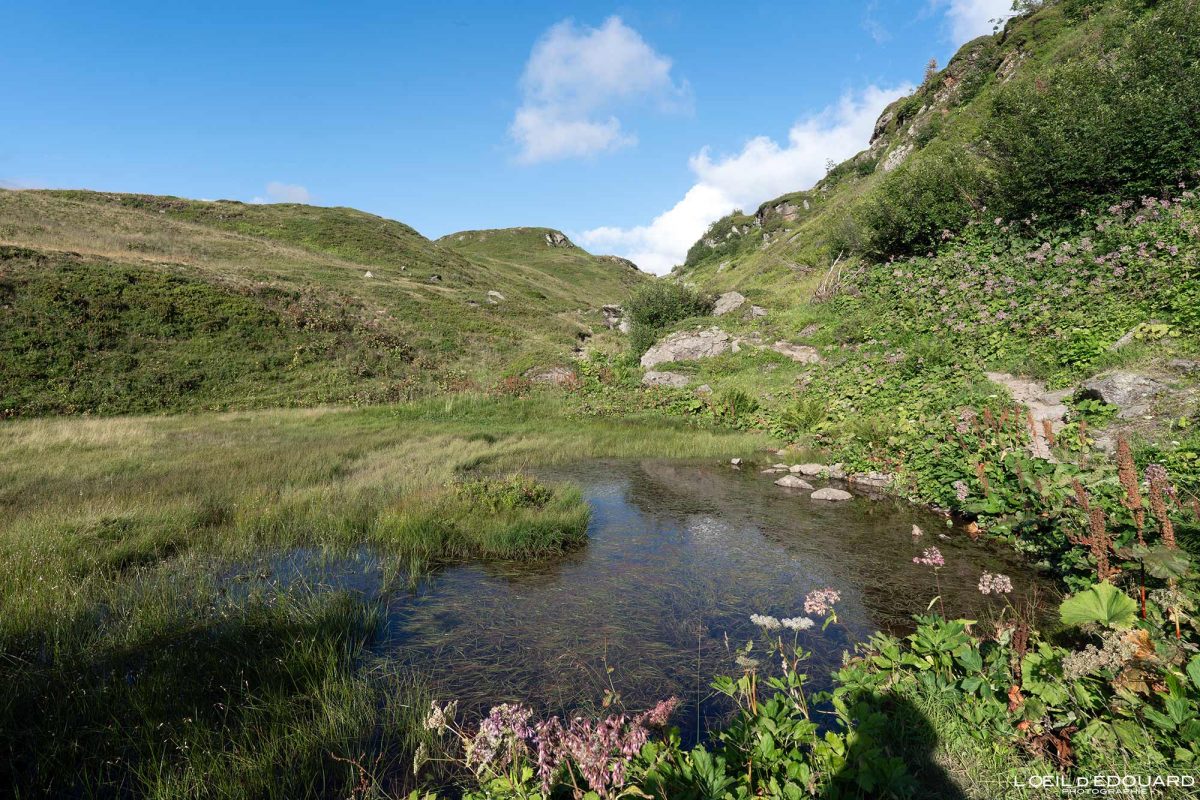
[1122, 119]
[662, 303]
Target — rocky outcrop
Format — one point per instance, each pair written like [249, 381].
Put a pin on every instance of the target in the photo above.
[1131, 393]
[1045, 408]
[675, 380]
[688, 346]
[613, 315]
[556, 239]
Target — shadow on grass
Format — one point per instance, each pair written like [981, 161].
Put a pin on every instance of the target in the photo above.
[891, 754]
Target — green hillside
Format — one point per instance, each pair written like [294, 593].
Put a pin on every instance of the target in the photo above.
[118, 303]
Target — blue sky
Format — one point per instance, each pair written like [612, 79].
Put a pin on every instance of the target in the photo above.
[628, 125]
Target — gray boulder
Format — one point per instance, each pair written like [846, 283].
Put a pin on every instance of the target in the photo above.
[873, 480]
[673, 379]
[800, 353]
[831, 495]
[1131, 393]
[688, 346]
[730, 301]
[793, 482]
[555, 376]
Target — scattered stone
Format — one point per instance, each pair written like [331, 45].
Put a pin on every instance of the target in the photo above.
[612, 316]
[368, 274]
[792, 482]
[1130, 392]
[704, 390]
[494, 297]
[811, 469]
[435, 278]
[688, 346]
[772, 471]
[873, 480]
[554, 376]
[757, 311]
[675, 380]
[917, 532]
[837, 472]
[831, 495]
[800, 353]
[737, 462]
[783, 467]
[730, 301]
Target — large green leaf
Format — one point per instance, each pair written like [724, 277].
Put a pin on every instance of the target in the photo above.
[1103, 603]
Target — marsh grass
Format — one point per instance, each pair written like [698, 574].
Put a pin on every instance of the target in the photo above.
[133, 663]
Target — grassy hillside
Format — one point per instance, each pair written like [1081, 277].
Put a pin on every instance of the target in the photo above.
[114, 303]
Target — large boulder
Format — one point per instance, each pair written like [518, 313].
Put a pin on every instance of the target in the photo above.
[1131, 393]
[688, 346]
[673, 379]
[873, 480]
[730, 301]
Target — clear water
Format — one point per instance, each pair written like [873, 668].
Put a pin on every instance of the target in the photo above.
[658, 600]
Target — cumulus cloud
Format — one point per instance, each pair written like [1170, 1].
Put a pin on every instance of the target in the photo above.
[284, 193]
[971, 18]
[762, 169]
[574, 81]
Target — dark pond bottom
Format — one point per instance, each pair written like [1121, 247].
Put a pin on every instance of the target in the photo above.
[659, 600]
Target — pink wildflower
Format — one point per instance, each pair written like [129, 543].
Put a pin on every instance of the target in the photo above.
[931, 557]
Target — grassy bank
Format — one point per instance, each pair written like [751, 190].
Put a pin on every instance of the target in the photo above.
[136, 666]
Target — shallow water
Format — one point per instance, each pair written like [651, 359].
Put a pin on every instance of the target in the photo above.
[658, 601]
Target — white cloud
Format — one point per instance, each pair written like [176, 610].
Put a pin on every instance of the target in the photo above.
[284, 193]
[971, 18]
[576, 78]
[762, 170]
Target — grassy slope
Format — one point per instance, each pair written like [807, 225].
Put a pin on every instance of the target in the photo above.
[129, 661]
[116, 303]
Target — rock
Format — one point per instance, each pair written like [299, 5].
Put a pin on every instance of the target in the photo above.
[673, 379]
[730, 301]
[494, 297]
[556, 239]
[704, 390]
[873, 480]
[1044, 407]
[757, 311]
[783, 467]
[737, 462]
[896, 157]
[810, 469]
[792, 482]
[1130, 392]
[625, 326]
[368, 274]
[555, 376]
[612, 315]
[688, 346]
[1184, 365]
[435, 278]
[836, 472]
[831, 495]
[801, 353]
